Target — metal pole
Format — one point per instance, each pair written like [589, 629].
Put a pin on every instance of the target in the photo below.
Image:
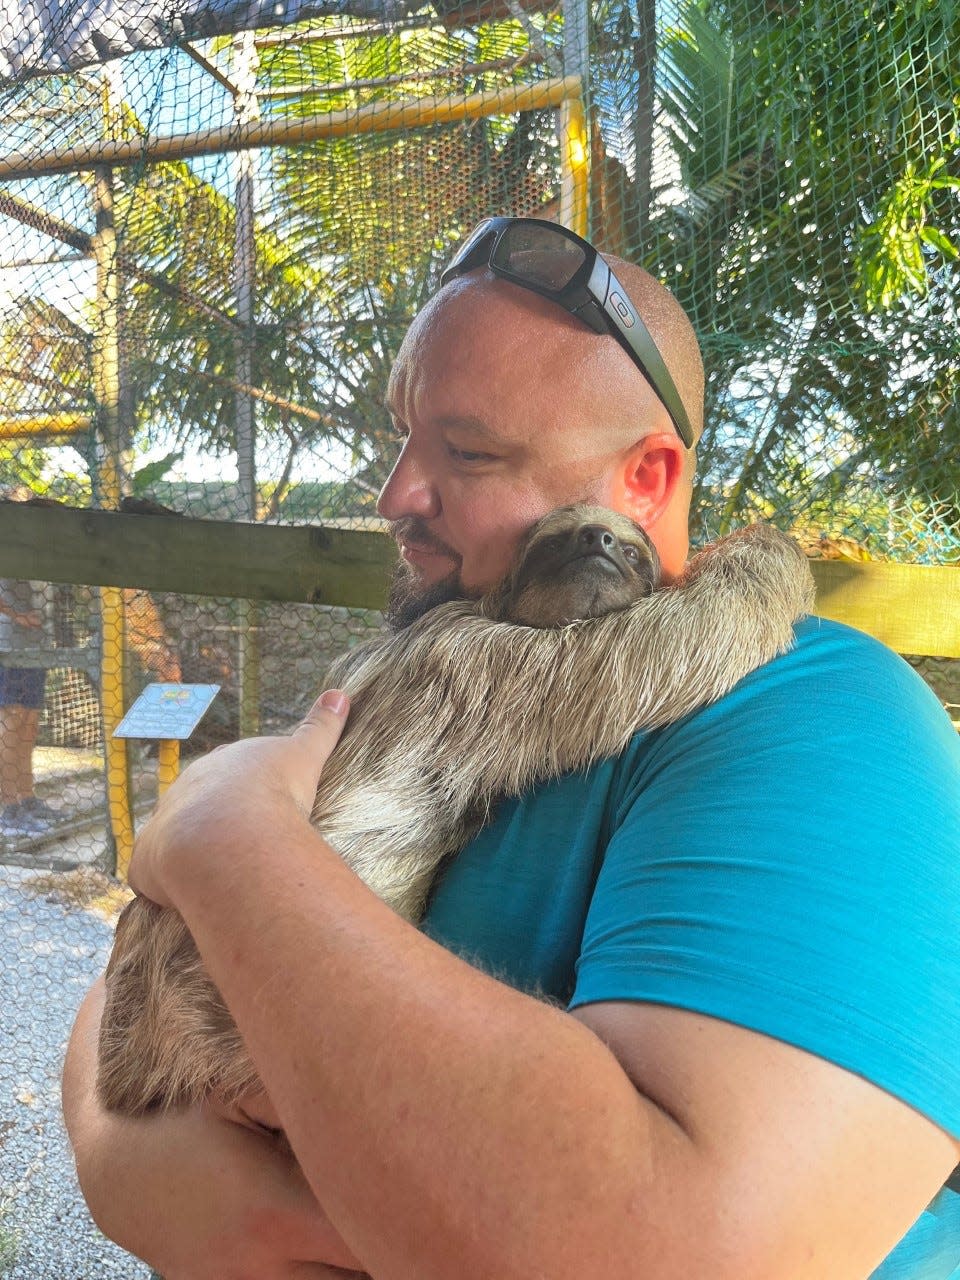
[572, 120]
[113, 452]
[168, 763]
[379, 117]
[244, 278]
[247, 110]
[105, 359]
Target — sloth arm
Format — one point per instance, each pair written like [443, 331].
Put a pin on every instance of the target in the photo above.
[453, 1126]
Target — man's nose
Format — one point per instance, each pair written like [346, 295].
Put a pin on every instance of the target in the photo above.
[409, 489]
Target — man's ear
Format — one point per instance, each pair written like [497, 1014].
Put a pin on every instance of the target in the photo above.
[648, 477]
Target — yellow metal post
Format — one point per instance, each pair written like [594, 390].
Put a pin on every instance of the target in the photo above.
[106, 383]
[572, 123]
[115, 749]
[574, 166]
[168, 762]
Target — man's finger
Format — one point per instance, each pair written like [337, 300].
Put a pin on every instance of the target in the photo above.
[334, 700]
[328, 714]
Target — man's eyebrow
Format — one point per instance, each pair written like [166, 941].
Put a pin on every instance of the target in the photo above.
[469, 423]
[451, 421]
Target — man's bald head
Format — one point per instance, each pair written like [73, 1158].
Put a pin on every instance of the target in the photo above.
[664, 318]
[509, 405]
[671, 330]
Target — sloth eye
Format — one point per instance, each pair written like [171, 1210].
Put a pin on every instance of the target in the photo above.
[552, 541]
[631, 552]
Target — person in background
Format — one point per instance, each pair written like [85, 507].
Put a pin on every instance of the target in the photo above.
[21, 701]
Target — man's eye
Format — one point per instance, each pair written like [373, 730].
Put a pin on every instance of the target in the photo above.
[467, 455]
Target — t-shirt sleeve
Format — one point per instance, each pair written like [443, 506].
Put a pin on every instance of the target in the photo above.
[789, 860]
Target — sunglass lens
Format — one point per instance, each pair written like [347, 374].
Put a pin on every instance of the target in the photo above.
[538, 254]
[471, 253]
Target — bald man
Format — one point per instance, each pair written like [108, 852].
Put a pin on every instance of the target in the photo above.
[692, 1013]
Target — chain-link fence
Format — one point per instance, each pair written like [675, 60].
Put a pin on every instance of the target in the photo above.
[211, 243]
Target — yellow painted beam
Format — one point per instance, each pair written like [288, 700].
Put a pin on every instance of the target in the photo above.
[45, 424]
[378, 117]
[913, 608]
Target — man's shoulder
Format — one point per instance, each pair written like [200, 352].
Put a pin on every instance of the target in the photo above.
[851, 678]
[834, 667]
[835, 695]
[823, 643]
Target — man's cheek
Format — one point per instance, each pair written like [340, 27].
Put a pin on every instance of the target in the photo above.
[491, 563]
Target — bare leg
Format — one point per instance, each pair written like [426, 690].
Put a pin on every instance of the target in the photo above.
[18, 736]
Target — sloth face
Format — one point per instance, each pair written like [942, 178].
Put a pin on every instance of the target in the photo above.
[578, 562]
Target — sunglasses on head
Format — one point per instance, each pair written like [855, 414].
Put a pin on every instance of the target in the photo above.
[558, 264]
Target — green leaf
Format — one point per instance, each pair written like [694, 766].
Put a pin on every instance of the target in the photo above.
[933, 236]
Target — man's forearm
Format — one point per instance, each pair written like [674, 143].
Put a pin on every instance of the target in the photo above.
[458, 1121]
[112, 1152]
[195, 1196]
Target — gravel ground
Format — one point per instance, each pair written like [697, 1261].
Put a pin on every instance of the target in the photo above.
[52, 945]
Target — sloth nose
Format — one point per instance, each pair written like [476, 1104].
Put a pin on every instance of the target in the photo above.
[596, 537]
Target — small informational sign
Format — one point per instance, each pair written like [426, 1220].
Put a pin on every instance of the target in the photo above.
[167, 711]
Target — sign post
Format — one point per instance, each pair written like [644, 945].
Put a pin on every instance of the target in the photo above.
[168, 713]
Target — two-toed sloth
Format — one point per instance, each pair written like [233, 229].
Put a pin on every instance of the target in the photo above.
[554, 669]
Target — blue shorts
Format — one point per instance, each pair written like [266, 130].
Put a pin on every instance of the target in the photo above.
[22, 687]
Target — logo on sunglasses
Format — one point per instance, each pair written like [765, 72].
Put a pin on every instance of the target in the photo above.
[622, 308]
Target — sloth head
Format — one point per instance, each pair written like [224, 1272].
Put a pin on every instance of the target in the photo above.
[575, 562]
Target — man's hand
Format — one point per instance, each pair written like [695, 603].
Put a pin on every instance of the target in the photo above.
[224, 796]
[192, 1194]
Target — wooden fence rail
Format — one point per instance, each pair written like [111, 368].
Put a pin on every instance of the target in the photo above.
[317, 565]
[914, 609]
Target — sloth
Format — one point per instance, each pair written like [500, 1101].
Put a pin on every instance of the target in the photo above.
[553, 670]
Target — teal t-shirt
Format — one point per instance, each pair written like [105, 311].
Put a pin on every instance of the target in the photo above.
[787, 860]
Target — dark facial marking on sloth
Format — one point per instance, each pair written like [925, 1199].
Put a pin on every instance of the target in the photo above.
[577, 562]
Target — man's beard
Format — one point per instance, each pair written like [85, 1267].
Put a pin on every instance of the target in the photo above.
[410, 599]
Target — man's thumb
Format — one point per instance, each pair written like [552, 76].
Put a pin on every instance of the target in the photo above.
[334, 700]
